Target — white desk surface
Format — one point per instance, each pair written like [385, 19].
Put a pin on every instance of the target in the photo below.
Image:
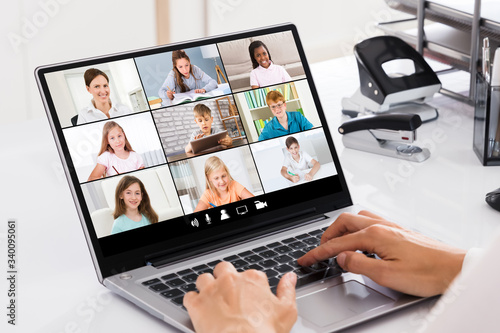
[57, 287]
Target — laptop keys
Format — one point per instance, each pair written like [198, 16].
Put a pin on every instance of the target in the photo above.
[213, 263]
[283, 249]
[189, 287]
[185, 272]
[239, 263]
[282, 269]
[268, 254]
[172, 293]
[200, 268]
[254, 258]
[175, 283]
[190, 278]
[271, 273]
[231, 258]
[159, 287]
[246, 254]
[283, 259]
[150, 282]
[178, 300]
[268, 263]
[274, 259]
[169, 276]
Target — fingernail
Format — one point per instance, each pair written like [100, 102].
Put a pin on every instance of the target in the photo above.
[291, 277]
[341, 259]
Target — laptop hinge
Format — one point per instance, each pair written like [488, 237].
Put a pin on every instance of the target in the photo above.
[232, 238]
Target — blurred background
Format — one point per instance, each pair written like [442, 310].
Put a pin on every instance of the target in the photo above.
[36, 33]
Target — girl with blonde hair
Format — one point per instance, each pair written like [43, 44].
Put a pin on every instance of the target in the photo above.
[220, 188]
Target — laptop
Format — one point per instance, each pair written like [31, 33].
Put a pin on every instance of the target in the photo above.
[207, 142]
[154, 262]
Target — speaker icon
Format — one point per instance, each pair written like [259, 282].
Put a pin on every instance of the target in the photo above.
[195, 223]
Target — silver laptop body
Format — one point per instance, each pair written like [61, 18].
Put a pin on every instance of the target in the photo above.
[144, 264]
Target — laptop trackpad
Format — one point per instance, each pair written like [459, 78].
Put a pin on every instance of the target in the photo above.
[339, 302]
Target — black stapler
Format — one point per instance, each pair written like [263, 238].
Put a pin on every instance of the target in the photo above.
[384, 91]
[386, 134]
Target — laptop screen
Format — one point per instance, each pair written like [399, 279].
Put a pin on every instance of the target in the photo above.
[124, 125]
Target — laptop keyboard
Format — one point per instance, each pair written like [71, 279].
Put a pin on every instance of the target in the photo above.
[274, 259]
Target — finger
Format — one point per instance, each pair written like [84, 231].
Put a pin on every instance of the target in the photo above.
[380, 219]
[189, 299]
[224, 268]
[358, 263]
[285, 290]
[348, 223]
[204, 280]
[350, 242]
[370, 214]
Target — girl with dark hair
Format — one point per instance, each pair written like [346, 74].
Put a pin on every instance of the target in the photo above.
[132, 206]
[265, 72]
[184, 77]
[100, 107]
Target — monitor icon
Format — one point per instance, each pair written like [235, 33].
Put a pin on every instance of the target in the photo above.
[242, 210]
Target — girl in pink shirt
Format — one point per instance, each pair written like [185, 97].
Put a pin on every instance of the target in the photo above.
[116, 154]
[265, 72]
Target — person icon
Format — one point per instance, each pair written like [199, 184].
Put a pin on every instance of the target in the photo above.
[224, 215]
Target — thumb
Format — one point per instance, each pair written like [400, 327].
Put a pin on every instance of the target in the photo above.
[285, 291]
[358, 263]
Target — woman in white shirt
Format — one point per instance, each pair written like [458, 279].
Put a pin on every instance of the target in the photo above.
[101, 106]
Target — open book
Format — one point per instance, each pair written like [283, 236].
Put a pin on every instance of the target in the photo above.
[190, 96]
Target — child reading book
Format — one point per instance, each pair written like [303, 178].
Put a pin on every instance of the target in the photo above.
[296, 162]
[221, 188]
[184, 77]
[132, 206]
[265, 72]
[116, 154]
[204, 119]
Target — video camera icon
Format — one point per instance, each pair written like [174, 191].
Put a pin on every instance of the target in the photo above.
[260, 204]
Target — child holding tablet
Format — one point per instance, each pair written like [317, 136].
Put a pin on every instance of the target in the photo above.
[204, 119]
[265, 72]
[221, 188]
[116, 154]
[185, 77]
[296, 162]
[132, 206]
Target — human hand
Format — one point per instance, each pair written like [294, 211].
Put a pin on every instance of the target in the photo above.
[308, 176]
[200, 91]
[229, 301]
[170, 94]
[295, 179]
[227, 141]
[411, 263]
[199, 136]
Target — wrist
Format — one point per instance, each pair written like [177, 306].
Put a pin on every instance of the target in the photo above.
[453, 266]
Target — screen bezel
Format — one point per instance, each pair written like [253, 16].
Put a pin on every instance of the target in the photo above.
[187, 245]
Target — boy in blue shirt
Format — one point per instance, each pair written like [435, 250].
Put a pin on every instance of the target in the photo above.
[284, 122]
